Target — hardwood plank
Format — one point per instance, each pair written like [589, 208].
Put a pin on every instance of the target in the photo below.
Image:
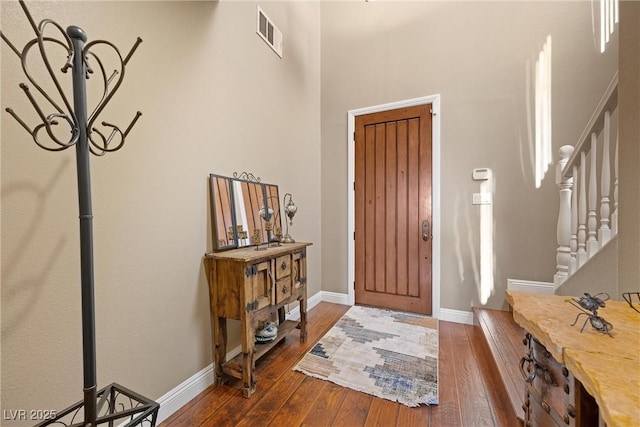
[474, 406]
[447, 412]
[297, 406]
[198, 413]
[382, 413]
[323, 411]
[514, 332]
[354, 409]
[418, 416]
[500, 340]
[501, 409]
[504, 357]
[273, 402]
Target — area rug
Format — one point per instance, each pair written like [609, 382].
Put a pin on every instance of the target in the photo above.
[389, 354]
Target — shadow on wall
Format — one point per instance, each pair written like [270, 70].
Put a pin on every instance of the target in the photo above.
[23, 293]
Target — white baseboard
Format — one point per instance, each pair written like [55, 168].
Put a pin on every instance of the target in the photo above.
[530, 286]
[180, 395]
[316, 299]
[456, 316]
[335, 297]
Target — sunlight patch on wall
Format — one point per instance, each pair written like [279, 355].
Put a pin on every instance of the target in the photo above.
[609, 16]
[543, 140]
[486, 242]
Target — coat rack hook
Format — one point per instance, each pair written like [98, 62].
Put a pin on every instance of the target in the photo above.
[8, 42]
[133, 49]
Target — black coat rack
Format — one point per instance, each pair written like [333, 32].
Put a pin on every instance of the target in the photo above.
[114, 403]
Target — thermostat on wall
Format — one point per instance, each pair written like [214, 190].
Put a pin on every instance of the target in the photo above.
[481, 174]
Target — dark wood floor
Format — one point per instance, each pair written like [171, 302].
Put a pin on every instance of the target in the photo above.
[287, 398]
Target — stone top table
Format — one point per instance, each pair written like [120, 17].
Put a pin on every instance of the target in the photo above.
[608, 366]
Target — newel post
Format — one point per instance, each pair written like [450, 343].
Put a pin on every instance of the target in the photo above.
[565, 184]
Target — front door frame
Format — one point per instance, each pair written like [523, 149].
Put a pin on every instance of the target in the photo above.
[434, 100]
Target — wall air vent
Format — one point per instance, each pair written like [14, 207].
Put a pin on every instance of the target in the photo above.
[269, 33]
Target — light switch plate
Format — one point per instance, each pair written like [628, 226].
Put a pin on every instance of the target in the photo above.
[481, 198]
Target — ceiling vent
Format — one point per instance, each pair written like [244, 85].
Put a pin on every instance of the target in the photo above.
[269, 33]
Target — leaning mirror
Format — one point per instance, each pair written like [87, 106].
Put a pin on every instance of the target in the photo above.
[248, 199]
[244, 212]
[222, 215]
[271, 214]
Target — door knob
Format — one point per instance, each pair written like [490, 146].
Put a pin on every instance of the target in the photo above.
[425, 230]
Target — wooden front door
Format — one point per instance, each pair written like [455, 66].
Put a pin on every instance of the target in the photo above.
[393, 209]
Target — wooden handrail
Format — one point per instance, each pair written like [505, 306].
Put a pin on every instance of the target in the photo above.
[608, 102]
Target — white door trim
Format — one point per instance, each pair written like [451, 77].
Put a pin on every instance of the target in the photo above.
[435, 170]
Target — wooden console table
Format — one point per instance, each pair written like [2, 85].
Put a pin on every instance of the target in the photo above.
[606, 367]
[253, 286]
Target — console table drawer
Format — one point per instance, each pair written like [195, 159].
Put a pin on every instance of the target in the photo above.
[283, 266]
[283, 289]
[539, 412]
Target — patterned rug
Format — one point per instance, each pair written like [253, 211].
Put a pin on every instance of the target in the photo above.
[388, 354]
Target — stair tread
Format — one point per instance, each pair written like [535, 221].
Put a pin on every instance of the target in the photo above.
[503, 337]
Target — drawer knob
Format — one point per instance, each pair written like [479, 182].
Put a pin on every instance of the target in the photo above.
[285, 289]
[283, 265]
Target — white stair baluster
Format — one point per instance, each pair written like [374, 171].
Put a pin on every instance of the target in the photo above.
[573, 244]
[582, 214]
[614, 215]
[592, 223]
[604, 232]
[563, 231]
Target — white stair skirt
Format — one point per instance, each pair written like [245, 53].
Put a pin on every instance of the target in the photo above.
[530, 286]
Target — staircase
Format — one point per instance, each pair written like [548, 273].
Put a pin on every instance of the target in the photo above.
[587, 254]
[587, 176]
[502, 348]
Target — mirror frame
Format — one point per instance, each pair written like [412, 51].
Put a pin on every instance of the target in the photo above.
[272, 202]
[248, 199]
[227, 217]
[219, 214]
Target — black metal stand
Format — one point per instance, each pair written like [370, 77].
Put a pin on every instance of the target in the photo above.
[114, 402]
[115, 406]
